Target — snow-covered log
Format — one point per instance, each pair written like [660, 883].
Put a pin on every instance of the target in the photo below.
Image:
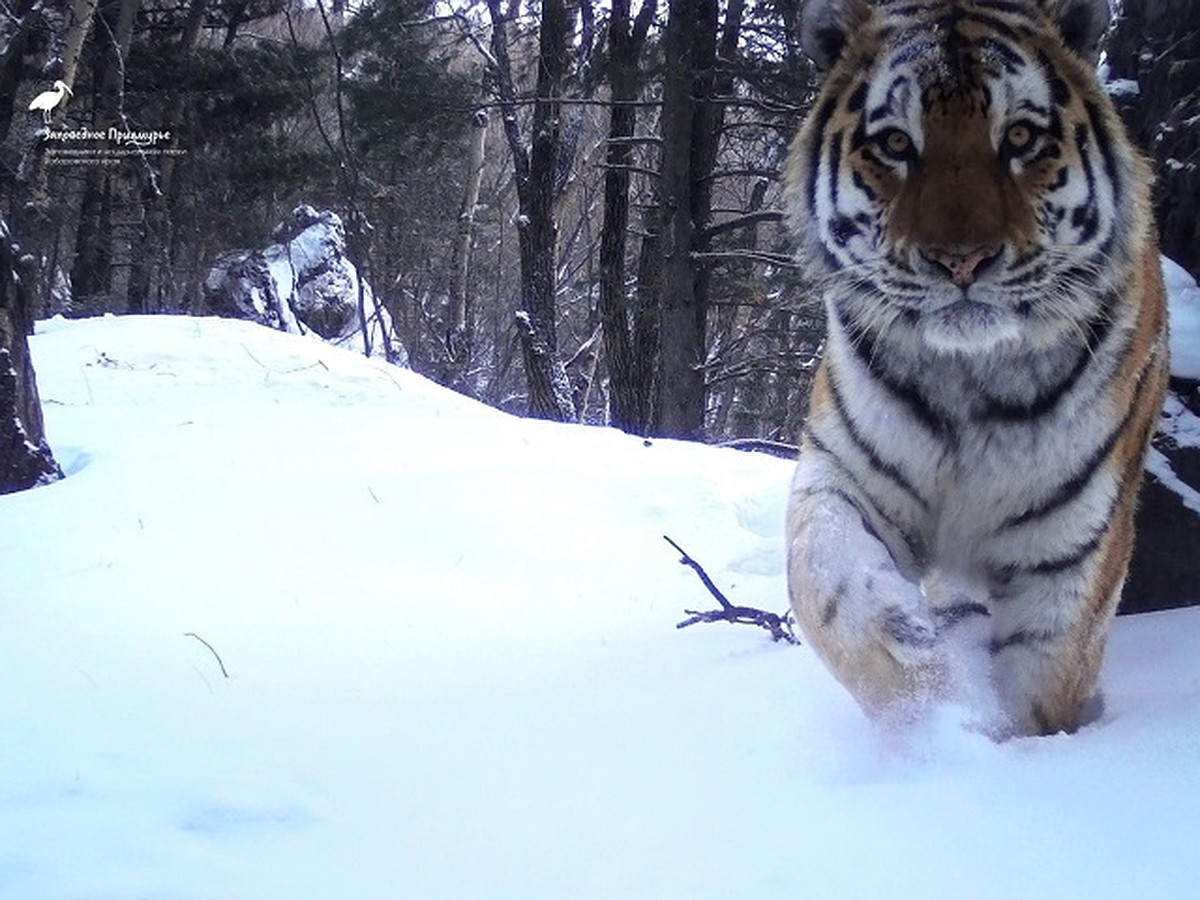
[305, 282]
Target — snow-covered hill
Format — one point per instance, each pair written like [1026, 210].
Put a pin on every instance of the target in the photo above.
[453, 670]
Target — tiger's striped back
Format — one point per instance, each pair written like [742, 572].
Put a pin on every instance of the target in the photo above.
[979, 225]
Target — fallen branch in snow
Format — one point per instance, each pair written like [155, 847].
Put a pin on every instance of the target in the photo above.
[779, 626]
[220, 663]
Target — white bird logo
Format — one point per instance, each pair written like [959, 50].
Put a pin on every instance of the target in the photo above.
[46, 101]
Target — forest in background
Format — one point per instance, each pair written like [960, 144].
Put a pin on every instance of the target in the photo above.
[568, 208]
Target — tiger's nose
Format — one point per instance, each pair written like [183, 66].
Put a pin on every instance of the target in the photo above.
[963, 267]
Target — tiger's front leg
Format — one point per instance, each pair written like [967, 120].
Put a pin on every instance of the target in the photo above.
[1047, 648]
[867, 622]
[1051, 618]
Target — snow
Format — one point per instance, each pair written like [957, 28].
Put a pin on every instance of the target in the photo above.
[1158, 465]
[1179, 423]
[1184, 298]
[454, 671]
[1122, 87]
[1181, 427]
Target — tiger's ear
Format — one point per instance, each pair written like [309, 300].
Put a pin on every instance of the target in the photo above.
[825, 26]
[1081, 23]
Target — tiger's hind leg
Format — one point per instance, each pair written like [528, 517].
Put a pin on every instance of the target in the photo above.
[863, 617]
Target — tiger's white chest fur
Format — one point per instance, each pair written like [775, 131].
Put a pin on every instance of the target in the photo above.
[964, 462]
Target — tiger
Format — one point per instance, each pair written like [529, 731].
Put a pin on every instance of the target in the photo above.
[979, 227]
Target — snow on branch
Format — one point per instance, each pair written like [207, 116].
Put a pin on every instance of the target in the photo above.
[779, 626]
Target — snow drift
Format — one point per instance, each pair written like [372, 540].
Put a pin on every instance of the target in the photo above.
[453, 669]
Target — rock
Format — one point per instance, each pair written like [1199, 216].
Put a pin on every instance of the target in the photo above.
[1165, 571]
[305, 282]
[1153, 76]
[240, 286]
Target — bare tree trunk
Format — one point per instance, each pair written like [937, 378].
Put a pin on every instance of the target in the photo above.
[18, 30]
[537, 232]
[697, 80]
[78, 27]
[648, 295]
[460, 340]
[630, 373]
[60, 30]
[91, 271]
[147, 287]
[25, 459]
[91, 274]
[690, 47]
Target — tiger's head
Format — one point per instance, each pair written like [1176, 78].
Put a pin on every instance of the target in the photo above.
[962, 177]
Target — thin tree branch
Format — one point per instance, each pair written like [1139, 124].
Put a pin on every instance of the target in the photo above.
[635, 139]
[780, 627]
[468, 31]
[526, 100]
[743, 221]
[641, 170]
[217, 655]
[769, 174]
[771, 259]
[778, 108]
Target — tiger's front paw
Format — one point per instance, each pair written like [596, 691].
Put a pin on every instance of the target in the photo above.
[869, 623]
[910, 635]
[902, 668]
[882, 643]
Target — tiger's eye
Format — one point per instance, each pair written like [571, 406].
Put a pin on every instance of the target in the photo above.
[1019, 136]
[896, 142]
